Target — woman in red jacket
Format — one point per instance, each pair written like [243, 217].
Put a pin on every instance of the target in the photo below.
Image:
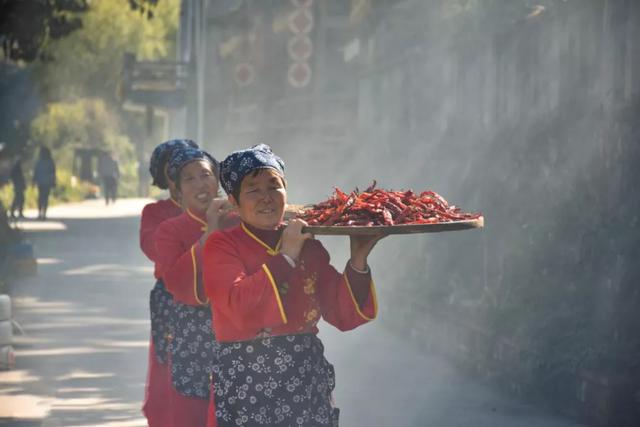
[156, 406]
[269, 285]
[179, 244]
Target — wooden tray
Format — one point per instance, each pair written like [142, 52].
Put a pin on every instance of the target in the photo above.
[339, 230]
[292, 211]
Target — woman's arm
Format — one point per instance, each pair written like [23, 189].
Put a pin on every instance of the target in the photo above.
[150, 220]
[178, 265]
[347, 300]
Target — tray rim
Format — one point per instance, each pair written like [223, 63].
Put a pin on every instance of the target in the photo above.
[342, 230]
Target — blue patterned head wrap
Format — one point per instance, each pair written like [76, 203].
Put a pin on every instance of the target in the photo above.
[180, 158]
[239, 163]
[161, 155]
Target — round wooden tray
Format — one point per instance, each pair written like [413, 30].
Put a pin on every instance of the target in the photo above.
[338, 230]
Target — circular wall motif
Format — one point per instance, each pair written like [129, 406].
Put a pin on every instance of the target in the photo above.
[299, 74]
[300, 47]
[301, 21]
[244, 74]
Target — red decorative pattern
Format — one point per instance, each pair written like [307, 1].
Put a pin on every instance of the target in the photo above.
[300, 47]
[244, 74]
[301, 21]
[299, 74]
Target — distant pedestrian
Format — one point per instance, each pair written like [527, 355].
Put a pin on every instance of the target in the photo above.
[44, 177]
[109, 171]
[19, 185]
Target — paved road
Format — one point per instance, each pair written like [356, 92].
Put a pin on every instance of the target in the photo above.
[82, 361]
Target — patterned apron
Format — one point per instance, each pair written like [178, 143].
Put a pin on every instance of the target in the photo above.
[193, 350]
[161, 308]
[274, 381]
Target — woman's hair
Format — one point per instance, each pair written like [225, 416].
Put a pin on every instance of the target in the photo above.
[161, 180]
[45, 153]
[160, 157]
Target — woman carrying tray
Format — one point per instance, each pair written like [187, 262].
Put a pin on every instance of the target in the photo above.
[156, 406]
[269, 285]
[178, 245]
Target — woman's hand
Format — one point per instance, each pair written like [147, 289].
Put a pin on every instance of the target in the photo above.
[293, 238]
[361, 246]
[218, 208]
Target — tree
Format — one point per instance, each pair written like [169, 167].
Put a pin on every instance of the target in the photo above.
[82, 74]
[27, 25]
[144, 6]
[83, 123]
[89, 61]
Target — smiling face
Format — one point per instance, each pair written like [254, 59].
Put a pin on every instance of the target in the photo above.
[198, 185]
[261, 199]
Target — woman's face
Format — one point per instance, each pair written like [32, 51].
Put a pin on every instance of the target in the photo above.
[262, 199]
[198, 185]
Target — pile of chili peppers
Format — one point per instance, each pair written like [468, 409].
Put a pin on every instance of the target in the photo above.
[381, 207]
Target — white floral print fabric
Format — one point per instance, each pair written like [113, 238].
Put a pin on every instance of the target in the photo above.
[274, 381]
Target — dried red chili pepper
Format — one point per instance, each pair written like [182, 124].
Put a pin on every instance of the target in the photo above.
[381, 207]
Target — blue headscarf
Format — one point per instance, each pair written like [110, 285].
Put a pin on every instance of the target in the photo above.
[239, 163]
[180, 158]
[160, 156]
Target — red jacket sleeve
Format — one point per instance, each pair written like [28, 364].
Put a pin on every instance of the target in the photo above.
[179, 265]
[149, 222]
[344, 304]
[248, 299]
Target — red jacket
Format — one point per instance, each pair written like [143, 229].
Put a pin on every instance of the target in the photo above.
[153, 215]
[178, 252]
[254, 291]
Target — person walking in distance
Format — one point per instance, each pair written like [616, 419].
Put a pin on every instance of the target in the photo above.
[109, 171]
[44, 177]
[19, 185]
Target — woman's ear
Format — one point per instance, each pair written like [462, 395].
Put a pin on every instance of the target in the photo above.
[171, 185]
[232, 200]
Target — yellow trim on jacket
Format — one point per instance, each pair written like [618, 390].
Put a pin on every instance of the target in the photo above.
[275, 291]
[205, 226]
[355, 303]
[271, 251]
[195, 277]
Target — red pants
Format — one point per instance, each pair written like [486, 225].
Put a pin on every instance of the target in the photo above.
[165, 407]
[211, 413]
[189, 411]
[157, 392]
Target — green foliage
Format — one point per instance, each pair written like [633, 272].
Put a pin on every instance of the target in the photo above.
[145, 7]
[83, 123]
[80, 80]
[27, 25]
[89, 61]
